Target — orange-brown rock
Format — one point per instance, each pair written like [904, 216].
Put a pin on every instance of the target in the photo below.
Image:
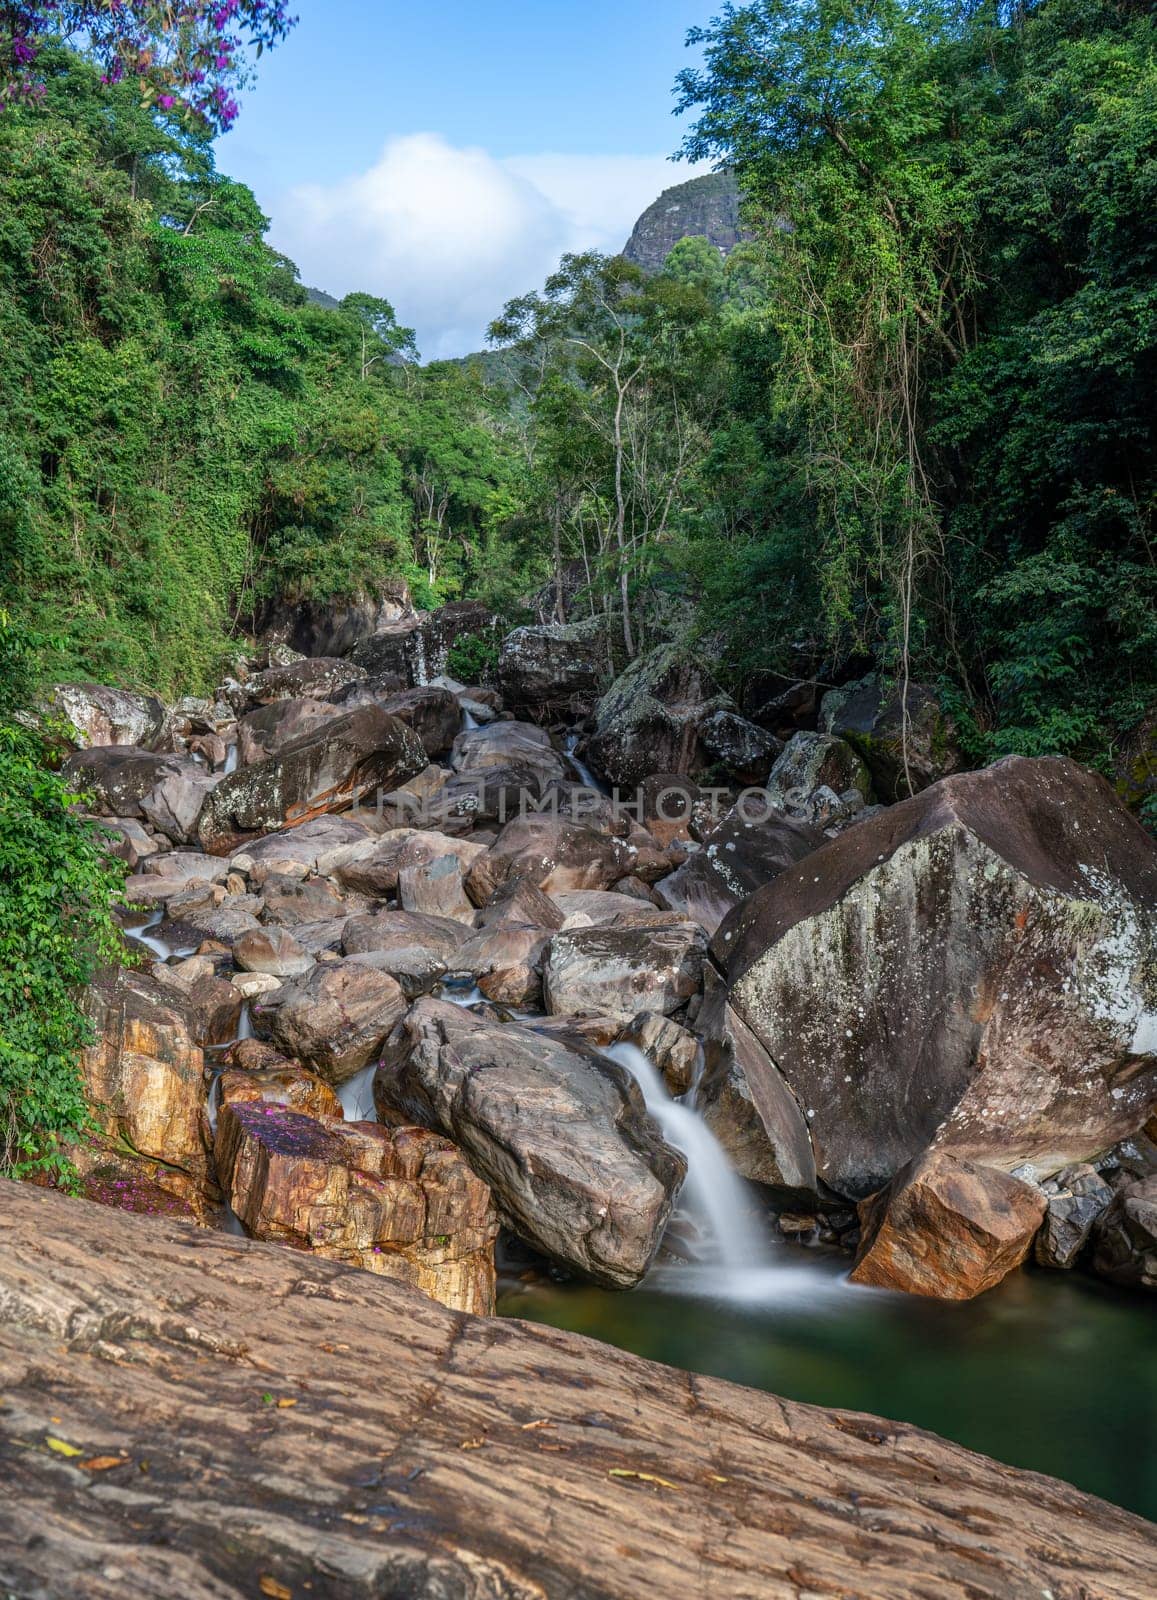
[286, 1085]
[400, 1202]
[429, 1455]
[947, 1229]
[144, 1080]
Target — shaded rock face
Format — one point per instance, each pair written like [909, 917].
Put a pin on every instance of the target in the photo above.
[1126, 1237]
[553, 855]
[337, 1019]
[433, 714]
[118, 778]
[98, 715]
[618, 972]
[971, 968]
[947, 1229]
[869, 716]
[418, 649]
[560, 1134]
[399, 1202]
[703, 208]
[812, 761]
[1076, 1198]
[745, 1101]
[650, 719]
[556, 667]
[144, 1082]
[672, 1049]
[736, 859]
[745, 750]
[327, 771]
[334, 628]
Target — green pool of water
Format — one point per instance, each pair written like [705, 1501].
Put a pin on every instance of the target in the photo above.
[1054, 1372]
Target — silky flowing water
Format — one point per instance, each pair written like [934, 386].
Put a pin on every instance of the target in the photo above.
[1052, 1371]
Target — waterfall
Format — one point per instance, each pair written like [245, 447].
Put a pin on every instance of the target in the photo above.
[715, 1199]
[232, 757]
[469, 721]
[585, 776]
[357, 1096]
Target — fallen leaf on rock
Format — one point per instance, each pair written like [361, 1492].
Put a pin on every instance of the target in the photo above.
[283, 1404]
[472, 1444]
[641, 1477]
[276, 1591]
[61, 1448]
[541, 1423]
[103, 1463]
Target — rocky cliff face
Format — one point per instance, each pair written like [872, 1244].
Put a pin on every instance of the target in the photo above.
[706, 208]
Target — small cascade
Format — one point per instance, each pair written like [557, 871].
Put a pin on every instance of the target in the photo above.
[142, 934]
[741, 1265]
[357, 1096]
[232, 757]
[469, 721]
[584, 774]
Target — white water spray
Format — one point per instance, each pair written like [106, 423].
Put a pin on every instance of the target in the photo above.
[357, 1096]
[585, 776]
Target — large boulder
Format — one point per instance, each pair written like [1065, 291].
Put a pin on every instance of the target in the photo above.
[399, 1202]
[144, 1081]
[337, 1018]
[326, 771]
[555, 668]
[1077, 1198]
[507, 744]
[94, 715]
[311, 847]
[971, 967]
[741, 748]
[812, 761]
[651, 718]
[905, 739]
[552, 854]
[947, 1229]
[116, 778]
[736, 858]
[416, 951]
[618, 972]
[560, 1133]
[433, 713]
[272, 727]
[174, 804]
[417, 649]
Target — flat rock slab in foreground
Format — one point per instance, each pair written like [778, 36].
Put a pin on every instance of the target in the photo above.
[293, 1427]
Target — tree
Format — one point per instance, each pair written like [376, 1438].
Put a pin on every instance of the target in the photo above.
[188, 58]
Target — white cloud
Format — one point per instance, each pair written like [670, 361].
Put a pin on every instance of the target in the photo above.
[449, 234]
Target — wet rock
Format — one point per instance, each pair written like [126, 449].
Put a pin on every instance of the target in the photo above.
[282, 1084]
[560, 1134]
[674, 1051]
[273, 951]
[650, 719]
[97, 716]
[812, 761]
[309, 679]
[947, 1229]
[617, 972]
[1076, 1197]
[117, 778]
[553, 854]
[399, 1202]
[435, 888]
[272, 727]
[555, 668]
[1125, 1237]
[746, 1103]
[737, 858]
[869, 715]
[415, 950]
[325, 772]
[144, 1082]
[964, 968]
[744, 750]
[337, 1018]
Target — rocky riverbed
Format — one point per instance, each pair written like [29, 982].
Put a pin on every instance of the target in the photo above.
[621, 973]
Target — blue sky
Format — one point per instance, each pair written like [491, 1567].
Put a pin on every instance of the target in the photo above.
[445, 156]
